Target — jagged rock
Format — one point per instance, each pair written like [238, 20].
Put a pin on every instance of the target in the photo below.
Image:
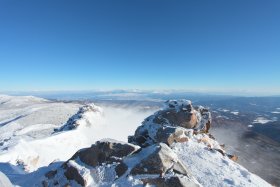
[160, 161]
[106, 151]
[174, 181]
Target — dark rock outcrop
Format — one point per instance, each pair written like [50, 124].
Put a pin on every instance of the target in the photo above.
[72, 173]
[106, 151]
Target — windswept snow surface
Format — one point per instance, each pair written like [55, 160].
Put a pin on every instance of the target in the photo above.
[211, 168]
[262, 120]
[235, 113]
[29, 142]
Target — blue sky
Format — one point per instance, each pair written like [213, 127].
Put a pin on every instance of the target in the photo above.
[225, 45]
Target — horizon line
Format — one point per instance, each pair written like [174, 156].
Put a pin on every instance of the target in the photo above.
[244, 93]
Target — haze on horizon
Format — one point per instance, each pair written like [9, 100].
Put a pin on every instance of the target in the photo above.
[216, 46]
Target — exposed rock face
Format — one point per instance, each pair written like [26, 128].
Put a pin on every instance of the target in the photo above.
[78, 119]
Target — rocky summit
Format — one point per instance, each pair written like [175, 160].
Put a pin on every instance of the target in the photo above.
[171, 148]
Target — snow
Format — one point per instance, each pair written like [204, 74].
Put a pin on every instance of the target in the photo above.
[211, 168]
[223, 110]
[235, 113]
[4, 181]
[177, 104]
[262, 120]
[220, 116]
[30, 142]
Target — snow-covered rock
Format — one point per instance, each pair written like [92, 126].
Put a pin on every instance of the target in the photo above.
[172, 124]
[85, 117]
[114, 163]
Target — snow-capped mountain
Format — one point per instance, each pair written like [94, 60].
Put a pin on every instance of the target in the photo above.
[46, 143]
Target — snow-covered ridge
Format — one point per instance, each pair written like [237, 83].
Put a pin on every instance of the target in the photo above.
[174, 152]
[84, 117]
[30, 154]
[172, 147]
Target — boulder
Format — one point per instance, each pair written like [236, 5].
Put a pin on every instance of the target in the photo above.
[106, 151]
[160, 161]
[177, 113]
[85, 163]
[169, 135]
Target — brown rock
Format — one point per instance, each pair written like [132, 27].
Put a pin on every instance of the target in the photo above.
[181, 118]
[121, 169]
[170, 135]
[105, 152]
[233, 157]
[72, 173]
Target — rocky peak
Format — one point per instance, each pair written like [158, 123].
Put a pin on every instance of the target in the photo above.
[172, 124]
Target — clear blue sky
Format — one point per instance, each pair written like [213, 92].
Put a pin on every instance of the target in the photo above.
[148, 44]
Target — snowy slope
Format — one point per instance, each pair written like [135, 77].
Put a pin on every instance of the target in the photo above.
[28, 140]
[211, 168]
